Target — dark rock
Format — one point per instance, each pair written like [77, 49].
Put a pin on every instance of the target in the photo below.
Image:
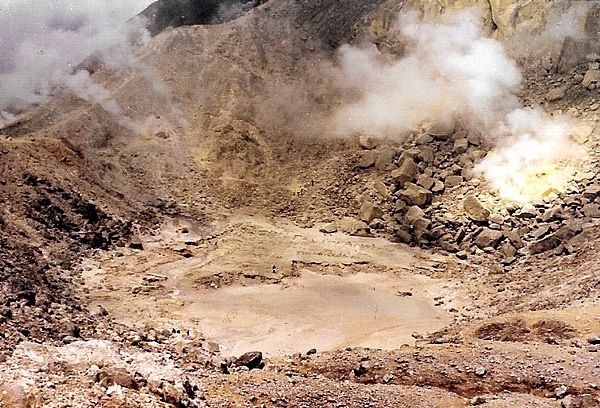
[252, 360]
[136, 243]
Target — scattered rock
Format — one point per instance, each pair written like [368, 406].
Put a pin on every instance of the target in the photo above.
[328, 228]
[136, 243]
[353, 226]
[367, 142]
[381, 189]
[415, 195]
[561, 391]
[488, 238]
[252, 360]
[385, 158]
[453, 181]
[425, 181]
[407, 172]
[475, 210]
[369, 211]
[591, 78]
[555, 94]
[367, 159]
[19, 396]
[478, 400]
[119, 376]
[460, 146]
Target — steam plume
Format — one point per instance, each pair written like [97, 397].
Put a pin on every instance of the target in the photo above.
[42, 42]
[450, 73]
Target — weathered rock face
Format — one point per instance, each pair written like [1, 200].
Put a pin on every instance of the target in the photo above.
[513, 21]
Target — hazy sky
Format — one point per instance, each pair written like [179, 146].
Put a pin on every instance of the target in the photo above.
[40, 42]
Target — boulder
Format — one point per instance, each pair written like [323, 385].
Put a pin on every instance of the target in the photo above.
[555, 94]
[353, 226]
[527, 211]
[328, 228]
[438, 187]
[591, 210]
[426, 154]
[555, 240]
[406, 173]
[592, 192]
[369, 211]
[367, 142]
[367, 159]
[453, 181]
[416, 218]
[460, 146]
[488, 238]
[381, 189]
[385, 158]
[136, 243]
[474, 209]
[591, 78]
[441, 131]
[425, 181]
[415, 195]
[252, 360]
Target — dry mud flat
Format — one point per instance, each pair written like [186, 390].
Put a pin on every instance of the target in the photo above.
[274, 287]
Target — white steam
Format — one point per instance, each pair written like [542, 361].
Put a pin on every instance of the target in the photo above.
[534, 158]
[42, 42]
[451, 74]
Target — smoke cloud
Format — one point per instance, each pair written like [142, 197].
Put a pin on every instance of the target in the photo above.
[451, 74]
[41, 44]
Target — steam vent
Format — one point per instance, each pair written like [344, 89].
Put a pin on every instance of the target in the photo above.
[299, 203]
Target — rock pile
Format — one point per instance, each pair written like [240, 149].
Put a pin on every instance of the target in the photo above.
[428, 196]
[38, 285]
